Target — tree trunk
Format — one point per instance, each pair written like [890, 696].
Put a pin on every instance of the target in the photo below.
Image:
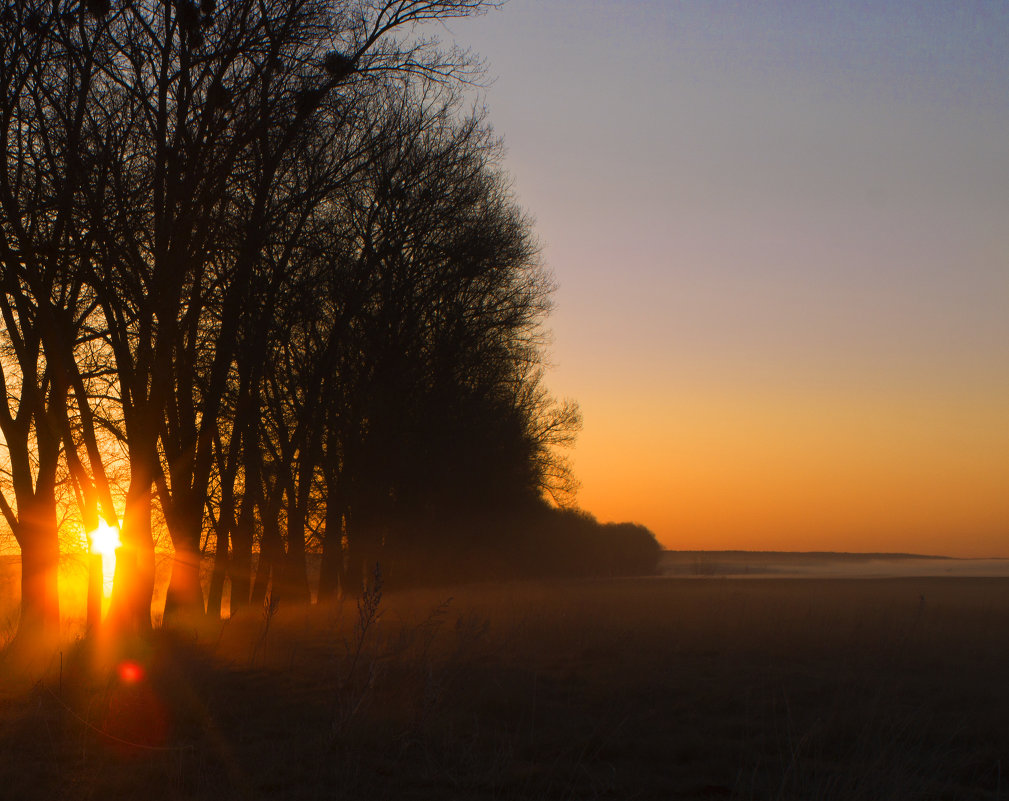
[40, 602]
[294, 586]
[363, 551]
[184, 599]
[185, 593]
[271, 555]
[240, 564]
[215, 594]
[96, 589]
[223, 536]
[332, 567]
[295, 589]
[133, 582]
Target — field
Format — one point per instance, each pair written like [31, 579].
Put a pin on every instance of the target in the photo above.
[688, 688]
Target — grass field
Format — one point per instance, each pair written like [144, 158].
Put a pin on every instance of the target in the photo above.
[650, 688]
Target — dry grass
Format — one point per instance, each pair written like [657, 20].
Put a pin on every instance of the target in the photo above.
[771, 689]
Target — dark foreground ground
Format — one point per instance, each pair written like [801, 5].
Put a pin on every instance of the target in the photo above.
[662, 688]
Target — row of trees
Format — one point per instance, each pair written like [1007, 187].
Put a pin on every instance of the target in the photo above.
[262, 286]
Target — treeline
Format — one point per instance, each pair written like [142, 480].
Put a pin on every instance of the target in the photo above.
[264, 287]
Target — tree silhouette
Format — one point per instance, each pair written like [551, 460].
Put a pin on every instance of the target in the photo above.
[48, 65]
[220, 116]
[435, 408]
[258, 253]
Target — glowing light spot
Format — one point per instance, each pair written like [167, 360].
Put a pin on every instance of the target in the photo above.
[130, 672]
[104, 540]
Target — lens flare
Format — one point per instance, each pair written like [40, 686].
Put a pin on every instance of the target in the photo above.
[129, 672]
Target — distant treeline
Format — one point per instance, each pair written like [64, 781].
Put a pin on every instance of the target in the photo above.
[537, 541]
[800, 555]
[265, 289]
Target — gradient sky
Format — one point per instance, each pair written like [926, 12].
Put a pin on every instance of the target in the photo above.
[781, 236]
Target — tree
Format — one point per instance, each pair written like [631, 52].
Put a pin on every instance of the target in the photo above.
[48, 64]
[435, 414]
[172, 135]
[260, 247]
[225, 108]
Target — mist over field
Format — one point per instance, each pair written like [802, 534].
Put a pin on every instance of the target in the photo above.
[784, 564]
[687, 687]
[673, 565]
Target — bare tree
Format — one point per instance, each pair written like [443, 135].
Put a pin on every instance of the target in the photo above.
[430, 345]
[49, 58]
[224, 112]
[259, 246]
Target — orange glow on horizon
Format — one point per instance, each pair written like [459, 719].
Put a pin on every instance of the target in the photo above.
[831, 471]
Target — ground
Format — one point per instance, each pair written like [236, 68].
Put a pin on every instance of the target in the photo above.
[688, 688]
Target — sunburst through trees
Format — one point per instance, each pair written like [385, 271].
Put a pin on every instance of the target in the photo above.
[265, 292]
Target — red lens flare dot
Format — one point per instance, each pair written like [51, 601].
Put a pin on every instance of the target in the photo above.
[130, 672]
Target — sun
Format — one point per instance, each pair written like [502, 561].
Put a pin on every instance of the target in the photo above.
[104, 540]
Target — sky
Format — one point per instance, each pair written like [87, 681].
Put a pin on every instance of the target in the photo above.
[780, 234]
